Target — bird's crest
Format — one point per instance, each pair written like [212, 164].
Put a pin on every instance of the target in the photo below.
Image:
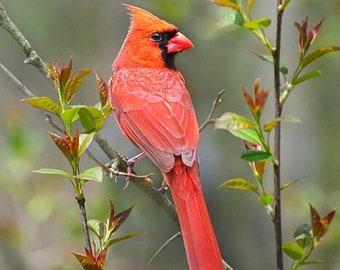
[142, 19]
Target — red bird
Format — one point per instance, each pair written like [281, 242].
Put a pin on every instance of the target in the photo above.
[154, 110]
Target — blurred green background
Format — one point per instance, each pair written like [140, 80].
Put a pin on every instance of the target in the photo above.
[39, 218]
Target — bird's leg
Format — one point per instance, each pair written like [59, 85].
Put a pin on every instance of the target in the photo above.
[164, 187]
[130, 164]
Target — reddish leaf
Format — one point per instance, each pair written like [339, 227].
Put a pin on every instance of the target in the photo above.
[120, 218]
[68, 139]
[65, 73]
[63, 145]
[314, 32]
[74, 82]
[53, 70]
[74, 145]
[90, 261]
[103, 90]
[320, 226]
[260, 100]
[248, 99]
[302, 28]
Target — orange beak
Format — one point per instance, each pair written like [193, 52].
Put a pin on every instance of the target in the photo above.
[179, 43]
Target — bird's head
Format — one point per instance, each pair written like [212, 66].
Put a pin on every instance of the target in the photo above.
[150, 42]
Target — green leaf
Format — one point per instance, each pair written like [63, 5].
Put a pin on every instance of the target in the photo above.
[313, 262]
[120, 238]
[231, 18]
[91, 118]
[288, 118]
[317, 54]
[232, 121]
[44, 103]
[291, 119]
[239, 183]
[85, 141]
[74, 83]
[250, 5]
[269, 59]
[271, 124]
[97, 227]
[239, 126]
[293, 250]
[307, 77]
[258, 24]
[70, 115]
[53, 172]
[257, 156]
[92, 174]
[303, 235]
[227, 3]
[285, 4]
[291, 183]
[248, 135]
[266, 199]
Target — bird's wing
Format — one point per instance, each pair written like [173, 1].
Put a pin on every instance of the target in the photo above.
[154, 110]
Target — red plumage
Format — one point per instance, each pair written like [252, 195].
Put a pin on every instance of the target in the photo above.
[154, 110]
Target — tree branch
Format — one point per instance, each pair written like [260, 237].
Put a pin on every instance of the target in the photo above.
[155, 194]
[277, 139]
[32, 56]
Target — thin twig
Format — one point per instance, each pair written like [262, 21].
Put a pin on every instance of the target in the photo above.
[277, 140]
[18, 83]
[168, 242]
[215, 104]
[49, 119]
[32, 57]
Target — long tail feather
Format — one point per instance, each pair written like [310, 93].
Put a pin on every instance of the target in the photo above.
[198, 235]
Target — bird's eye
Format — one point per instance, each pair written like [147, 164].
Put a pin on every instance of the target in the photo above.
[156, 36]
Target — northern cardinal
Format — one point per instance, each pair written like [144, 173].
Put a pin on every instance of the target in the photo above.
[153, 109]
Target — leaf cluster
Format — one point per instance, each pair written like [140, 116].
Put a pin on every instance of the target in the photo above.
[308, 237]
[105, 232]
[73, 143]
[256, 136]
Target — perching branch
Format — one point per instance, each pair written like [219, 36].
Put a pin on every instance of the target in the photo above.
[156, 195]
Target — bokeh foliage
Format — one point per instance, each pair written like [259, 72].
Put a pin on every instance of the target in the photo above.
[39, 222]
